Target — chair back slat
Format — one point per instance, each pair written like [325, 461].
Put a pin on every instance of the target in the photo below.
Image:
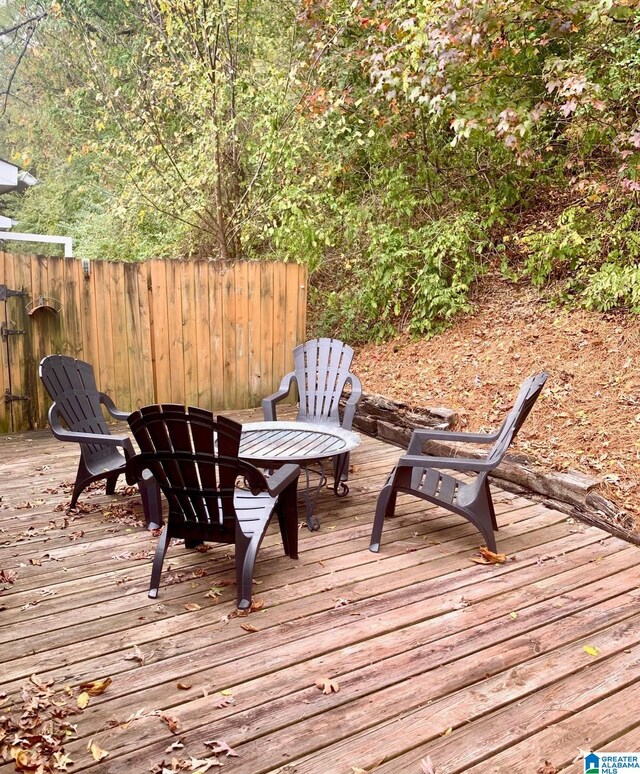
[321, 369]
[71, 385]
[196, 474]
[528, 395]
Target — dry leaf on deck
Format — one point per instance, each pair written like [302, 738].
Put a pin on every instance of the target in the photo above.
[96, 687]
[547, 768]
[327, 685]
[82, 700]
[61, 760]
[97, 752]
[426, 766]
[219, 746]
[173, 723]
[488, 557]
[202, 765]
[184, 686]
[137, 655]
[177, 745]
[249, 627]
[591, 650]
[192, 607]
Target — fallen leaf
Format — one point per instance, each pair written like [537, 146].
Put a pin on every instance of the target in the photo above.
[447, 731]
[96, 687]
[547, 768]
[177, 745]
[513, 615]
[592, 650]
[426, 766]
[173, 723]
[192, 607]
[137, 655]
[184, 686]
[83, 700]
[61, 760]
[226, 692]
[97, 752]
[214, 593]
[249, 627]
[202, 765]
[327, 685]
[219, 746]
[488, 557]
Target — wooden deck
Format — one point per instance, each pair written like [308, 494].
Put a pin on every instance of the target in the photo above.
[477, 668]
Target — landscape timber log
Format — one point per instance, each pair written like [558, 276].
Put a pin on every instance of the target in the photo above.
[570, 491]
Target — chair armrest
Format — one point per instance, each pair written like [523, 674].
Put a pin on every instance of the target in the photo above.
[352, 401]
[111, 407]
[418, 437]
[451, 463]
[282, 478]
[269, 403]
[62, 434]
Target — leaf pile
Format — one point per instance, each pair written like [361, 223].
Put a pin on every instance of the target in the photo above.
[33, 733]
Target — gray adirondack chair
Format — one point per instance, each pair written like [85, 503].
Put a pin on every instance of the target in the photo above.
[321, 373]
[77, 402]
[421, 475]
[194, 458]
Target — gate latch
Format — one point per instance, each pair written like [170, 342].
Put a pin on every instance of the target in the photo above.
[9, 398]
[6, 332]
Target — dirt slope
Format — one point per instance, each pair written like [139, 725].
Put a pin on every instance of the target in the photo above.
[588, 417]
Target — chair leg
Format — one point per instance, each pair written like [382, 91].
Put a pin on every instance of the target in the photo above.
[287, 511]
[158, 559]
[385, 506]
[151, 503]
[492, 511]
[246, 552]
[110, 487]
[83, 479]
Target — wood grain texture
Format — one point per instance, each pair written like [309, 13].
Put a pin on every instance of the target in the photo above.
[200, 332]
[479, 667]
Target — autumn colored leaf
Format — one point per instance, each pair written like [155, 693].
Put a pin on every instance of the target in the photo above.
[137, 655]
[83, 700]
[184, 686]
[592, 650]
[249, 627]
[96, 687]
[488, 557]
[61, 760]
[219, 746]
[426, 766]
[96, 751]
[177, 745]
[173, 723]
[547, 768]
[327, 685]
[192, 607]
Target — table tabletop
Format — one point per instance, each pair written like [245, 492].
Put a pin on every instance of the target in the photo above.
[286, 441]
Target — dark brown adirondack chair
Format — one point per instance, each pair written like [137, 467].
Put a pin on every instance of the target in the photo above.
[194, 458]
[77, 401]
[321, 375]
[420, 475]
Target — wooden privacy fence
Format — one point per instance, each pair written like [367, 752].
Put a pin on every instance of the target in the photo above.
[198, 332]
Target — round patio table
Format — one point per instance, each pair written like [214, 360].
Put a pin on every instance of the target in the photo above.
[272, 444]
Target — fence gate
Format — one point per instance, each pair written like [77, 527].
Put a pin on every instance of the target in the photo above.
[15, 411]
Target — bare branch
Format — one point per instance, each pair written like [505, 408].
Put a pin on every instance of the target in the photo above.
[25, 22]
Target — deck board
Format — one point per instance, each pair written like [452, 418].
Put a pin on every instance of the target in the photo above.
[480, 668]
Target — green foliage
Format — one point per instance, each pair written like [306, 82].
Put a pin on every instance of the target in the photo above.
[378, 143]
[415, 279]
[594, 252]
